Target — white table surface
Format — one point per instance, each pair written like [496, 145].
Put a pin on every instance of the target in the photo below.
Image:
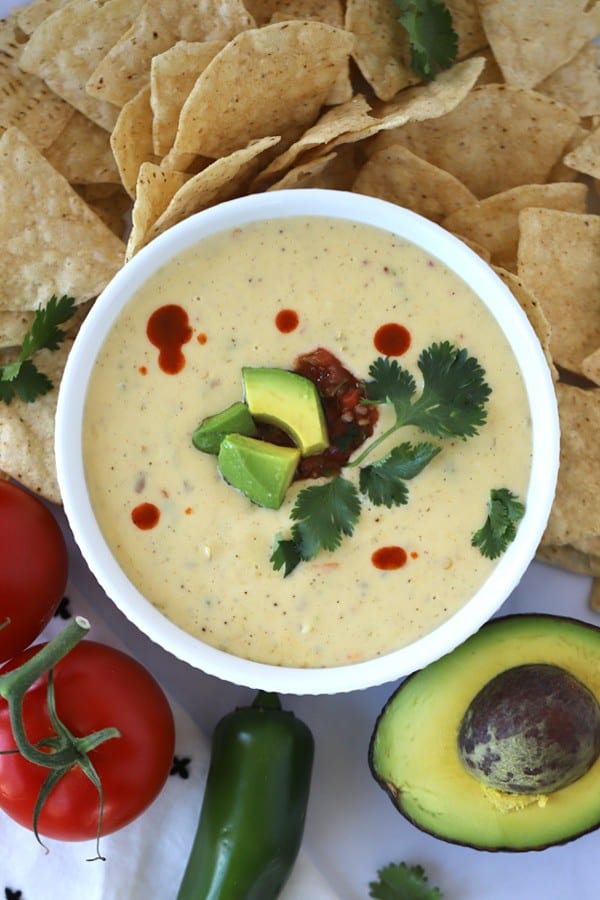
[352, 828]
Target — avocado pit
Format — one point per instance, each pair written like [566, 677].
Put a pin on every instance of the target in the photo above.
[532, 729]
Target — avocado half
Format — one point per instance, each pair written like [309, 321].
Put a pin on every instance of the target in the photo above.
[414, 750]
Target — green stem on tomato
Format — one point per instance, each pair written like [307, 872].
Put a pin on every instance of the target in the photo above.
[15, 683]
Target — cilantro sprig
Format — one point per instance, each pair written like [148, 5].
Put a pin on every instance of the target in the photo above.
[451, 404]
[397, 881]
[21, 378]
[432, 38]
[505, 511]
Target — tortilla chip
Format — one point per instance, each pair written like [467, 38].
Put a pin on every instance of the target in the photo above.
[590, 366]
[25, 101]
[381, 49]
[155, 188]
[264, 12]
[67, 46]
[220, 181]
[341, 120]
[131, 139]
[560, 171]
[125, 69]
[576, 512]
[266, 81]
[531, 40]
[576, 84]
[397, 175]
[534, 312]
[27, 430]
[31, 15]
[494, 222]
[172, 77]
[15, 324]
[52, 243]
[559, 260]
[114, 208]
[466, 21]
[497, 138]
[82, 153]
[585, 157]
[334, 171]
[567, 557]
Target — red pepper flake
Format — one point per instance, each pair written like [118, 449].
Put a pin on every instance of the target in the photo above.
[169, 329]
[188, 510]
[145, 516]
[392, 339]
[389, 558]
[414, 554]
[143, 370]
[202, 338]
[287, 320]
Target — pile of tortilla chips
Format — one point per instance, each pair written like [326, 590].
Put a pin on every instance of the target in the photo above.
[119, 118]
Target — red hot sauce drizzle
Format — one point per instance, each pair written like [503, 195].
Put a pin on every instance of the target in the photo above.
[287, 320]
[169, 329]
[392, 339]
[145, 516]
[389, 558]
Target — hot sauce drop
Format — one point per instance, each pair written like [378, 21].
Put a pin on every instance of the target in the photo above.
[145, 516]
[392, 339]
[169, 329]
[389, 558]
[287, 320]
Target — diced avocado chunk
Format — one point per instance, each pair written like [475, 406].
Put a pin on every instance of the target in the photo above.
[260, 470]
[289, 401]
[236, 419]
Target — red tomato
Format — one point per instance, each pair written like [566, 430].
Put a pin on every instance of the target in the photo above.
[33, 568]
[96, 686]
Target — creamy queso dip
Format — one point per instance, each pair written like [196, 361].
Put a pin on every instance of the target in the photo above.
[205, 561]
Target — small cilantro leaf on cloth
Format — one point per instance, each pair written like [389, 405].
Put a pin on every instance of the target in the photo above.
[384, 481]
[399, 882]
[505, 511]
[433, 40]
[21, 378]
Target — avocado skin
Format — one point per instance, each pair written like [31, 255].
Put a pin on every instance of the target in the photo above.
[437, 696]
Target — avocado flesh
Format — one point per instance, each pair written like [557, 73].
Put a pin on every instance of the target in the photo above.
[414, 753]
[236, 419]
[289, 401]
[260, 470]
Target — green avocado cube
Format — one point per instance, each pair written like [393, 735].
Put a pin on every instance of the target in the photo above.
[260, 470]
[236, 419]
[289, 401]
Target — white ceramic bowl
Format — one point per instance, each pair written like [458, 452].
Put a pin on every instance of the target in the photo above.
[545, 432]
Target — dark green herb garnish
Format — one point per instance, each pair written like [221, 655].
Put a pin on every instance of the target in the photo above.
[399, 882]
[451, 404]
[21, 378]
[433, 40]
[505, 511]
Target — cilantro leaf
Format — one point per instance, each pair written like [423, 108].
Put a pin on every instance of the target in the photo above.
[399, 882]
[21, 378]
[431, 35]
[391, 383]
[286, 555]
[383, 481]
[452, 403]
[323, 513]
[505, 510]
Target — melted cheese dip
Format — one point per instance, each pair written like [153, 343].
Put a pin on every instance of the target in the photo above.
[205, 564]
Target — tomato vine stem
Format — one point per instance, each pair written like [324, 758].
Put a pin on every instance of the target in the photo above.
[62, 750]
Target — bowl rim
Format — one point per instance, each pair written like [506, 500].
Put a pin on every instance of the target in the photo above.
[539, 386]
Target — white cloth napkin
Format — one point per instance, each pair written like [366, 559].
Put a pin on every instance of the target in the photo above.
[146, 859]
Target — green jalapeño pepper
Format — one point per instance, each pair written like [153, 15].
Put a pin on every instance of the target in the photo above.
[252, 817]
